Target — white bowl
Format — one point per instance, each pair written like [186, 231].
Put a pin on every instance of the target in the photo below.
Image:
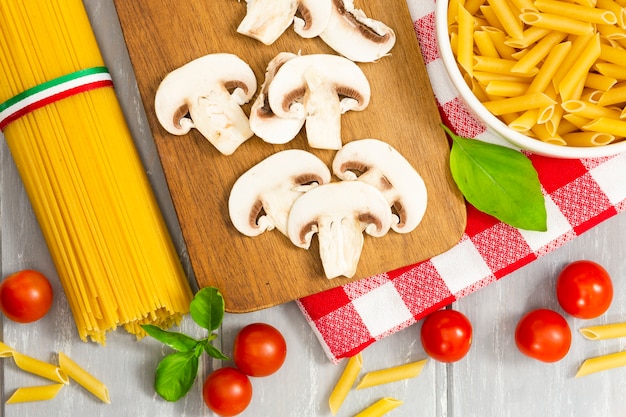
[518, 139]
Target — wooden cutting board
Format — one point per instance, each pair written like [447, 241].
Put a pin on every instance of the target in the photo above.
[255, 273]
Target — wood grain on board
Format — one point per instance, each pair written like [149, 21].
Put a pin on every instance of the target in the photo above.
[255, 273]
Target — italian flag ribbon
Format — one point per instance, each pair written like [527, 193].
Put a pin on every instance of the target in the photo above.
[52, 91]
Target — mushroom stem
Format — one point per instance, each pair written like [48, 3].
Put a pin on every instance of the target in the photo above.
[323, 112]
[340, 246]
[221, 120]
[266, 20]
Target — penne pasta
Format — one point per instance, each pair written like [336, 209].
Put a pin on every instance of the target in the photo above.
[576, 120]
[552, 63]
[587, 138]
[604, 331]
[485, 78]
[542, 133]
[615, 71]
[611, 32]
[557, 23]
[499, 66]
[396, 373]
[491, 18]
[40, 368]
[453, 8]
[612, 54]
[346, 381]
[380, 407]
[465, 44]
[554, 121]
[577, 12]
[485, 44]
[521, 5]
[618, 10]
[589, 110]
[588, 3]
[507, 18]
[499, 41]
[525, 121]
[84, 378]
[37, 393]
[519, 104]
[613, 96]
[599, 81]
[601, 363]
[473, 6]
[579, 44]
[573, 81]
[506, 88]
[607, 125]
[5, 351]
[537, 53]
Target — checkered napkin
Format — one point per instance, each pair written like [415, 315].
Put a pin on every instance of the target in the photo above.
[579, 194]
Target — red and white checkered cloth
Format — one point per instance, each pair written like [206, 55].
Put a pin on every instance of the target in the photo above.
[579, 194]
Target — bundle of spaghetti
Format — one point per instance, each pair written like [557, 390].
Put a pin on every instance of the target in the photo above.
[82, 173]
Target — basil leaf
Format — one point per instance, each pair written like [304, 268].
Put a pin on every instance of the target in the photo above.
[498, 181]
[213, 351]
[178, 341]
[175, 374]
[207, 308]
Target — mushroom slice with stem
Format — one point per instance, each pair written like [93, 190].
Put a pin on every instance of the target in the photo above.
[261, 198]
[379, 164]
[315, 15]
[319, 87]
[355, 35]
[266, 20]
[339, 212]
[263, 122]
[207, 94]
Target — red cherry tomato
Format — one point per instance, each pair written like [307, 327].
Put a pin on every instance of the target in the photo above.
[584, 289]
[544, 335]
[227, 391]
[25, 296]
[259, 350]
[446, 335]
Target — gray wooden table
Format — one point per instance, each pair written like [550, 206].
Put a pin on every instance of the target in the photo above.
[493, 380]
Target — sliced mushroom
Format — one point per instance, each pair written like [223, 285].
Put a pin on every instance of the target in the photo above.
[261, 198]
[315, 15]
[319, 87]
[382, 166]
[266, 20]
[207, 94]
[263, 122]
[339, 213]
[356, 36]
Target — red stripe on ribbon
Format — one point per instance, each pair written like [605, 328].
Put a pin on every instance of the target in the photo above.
[54, 98]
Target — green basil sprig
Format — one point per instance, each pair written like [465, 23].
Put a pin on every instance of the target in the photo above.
[176, 372]
[498, 181]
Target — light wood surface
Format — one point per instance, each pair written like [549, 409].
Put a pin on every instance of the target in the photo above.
[494, 380]
[268, 270]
